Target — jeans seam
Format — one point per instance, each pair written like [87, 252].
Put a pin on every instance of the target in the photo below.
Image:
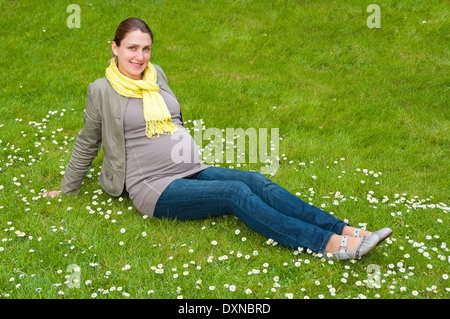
[325, 242]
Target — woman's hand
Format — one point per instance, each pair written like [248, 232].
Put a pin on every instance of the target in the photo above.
[51, 194]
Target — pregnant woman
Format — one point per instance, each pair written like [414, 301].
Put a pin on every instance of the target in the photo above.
[135, 116]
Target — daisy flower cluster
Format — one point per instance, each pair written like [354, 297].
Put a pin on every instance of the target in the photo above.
[121, 254]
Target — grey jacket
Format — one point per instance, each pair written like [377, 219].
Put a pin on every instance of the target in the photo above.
[103, 126]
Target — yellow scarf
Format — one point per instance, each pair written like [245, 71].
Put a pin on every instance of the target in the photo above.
[156, 114]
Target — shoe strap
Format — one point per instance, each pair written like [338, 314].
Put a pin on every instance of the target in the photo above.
[356, 233]
[343, 247]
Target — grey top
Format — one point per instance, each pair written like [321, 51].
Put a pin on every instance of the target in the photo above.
[152, 164]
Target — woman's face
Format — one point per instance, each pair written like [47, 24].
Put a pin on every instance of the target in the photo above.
[133, 53]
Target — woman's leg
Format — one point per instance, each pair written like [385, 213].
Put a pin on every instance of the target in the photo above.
[188, 199]
[276, 197]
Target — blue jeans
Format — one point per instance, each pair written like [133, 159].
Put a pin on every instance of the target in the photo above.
[259, 203]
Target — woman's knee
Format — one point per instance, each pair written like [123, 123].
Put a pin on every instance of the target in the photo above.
[260, 178]
[237, 191]
[260, 184]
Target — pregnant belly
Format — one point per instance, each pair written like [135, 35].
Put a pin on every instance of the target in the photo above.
[161, 157]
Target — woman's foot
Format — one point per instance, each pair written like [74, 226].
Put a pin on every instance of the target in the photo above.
[335, 242]
[358, 232]
[355, 232]
[346, 247]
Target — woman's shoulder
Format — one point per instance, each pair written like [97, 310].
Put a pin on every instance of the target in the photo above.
[159, 72]
[162, 78]
[158, 68]
[100, 87]
[100, 83]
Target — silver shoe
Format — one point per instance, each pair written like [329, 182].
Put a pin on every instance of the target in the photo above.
[382, 234]
[366, 244]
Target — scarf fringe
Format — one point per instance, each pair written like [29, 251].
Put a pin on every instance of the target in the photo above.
[156, 128]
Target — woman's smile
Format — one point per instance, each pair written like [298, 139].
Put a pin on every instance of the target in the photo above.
[137, 65]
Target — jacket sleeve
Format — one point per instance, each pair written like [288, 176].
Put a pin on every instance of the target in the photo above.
[87, 143]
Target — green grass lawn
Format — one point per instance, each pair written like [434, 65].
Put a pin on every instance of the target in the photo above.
[363, 123]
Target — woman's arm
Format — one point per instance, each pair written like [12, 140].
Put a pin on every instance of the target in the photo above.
[51, 194]
[87, 143]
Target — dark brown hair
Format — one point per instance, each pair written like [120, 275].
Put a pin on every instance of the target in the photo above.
[130, 25]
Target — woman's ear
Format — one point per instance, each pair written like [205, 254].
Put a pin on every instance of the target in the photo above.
[114, 48]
